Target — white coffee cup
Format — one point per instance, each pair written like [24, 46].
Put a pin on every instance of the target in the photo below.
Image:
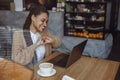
[46, 68]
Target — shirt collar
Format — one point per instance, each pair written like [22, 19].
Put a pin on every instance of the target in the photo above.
[37, 34]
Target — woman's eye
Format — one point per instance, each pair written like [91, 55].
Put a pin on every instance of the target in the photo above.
[42, 21]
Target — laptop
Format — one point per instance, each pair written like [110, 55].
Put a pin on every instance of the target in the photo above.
[65, 60]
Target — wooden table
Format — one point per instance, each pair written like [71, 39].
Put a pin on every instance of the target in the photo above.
[86, 68]
[13, 71]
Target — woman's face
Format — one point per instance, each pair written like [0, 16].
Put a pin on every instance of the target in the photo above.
[40, 21]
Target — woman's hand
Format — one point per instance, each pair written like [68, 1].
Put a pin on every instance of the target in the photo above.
[44, 40]
[39, 41]
[47, 40]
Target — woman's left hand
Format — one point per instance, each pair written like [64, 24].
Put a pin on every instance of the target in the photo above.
[47, 40]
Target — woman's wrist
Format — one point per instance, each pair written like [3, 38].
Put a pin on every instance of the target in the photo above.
[39, 43]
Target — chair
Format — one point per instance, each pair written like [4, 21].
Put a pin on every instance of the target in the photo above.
[5, 42]
[10, 70]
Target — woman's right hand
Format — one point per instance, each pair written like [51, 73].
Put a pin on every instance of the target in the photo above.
[44, 40]
[39, 41]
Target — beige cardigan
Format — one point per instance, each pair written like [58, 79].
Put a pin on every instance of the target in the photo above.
[23, 54]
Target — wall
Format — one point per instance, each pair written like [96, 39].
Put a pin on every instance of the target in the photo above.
[118, 28]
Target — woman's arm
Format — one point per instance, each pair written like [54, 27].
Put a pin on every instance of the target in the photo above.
[55, 40]
[20, 52]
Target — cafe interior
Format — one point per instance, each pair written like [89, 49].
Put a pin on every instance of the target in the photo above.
[91, 25]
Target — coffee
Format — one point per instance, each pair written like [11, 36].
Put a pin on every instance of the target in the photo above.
[46, 68]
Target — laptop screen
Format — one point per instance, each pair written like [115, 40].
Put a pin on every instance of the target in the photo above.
[76, 53]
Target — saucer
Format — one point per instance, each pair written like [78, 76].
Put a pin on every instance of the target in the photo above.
[46, 75]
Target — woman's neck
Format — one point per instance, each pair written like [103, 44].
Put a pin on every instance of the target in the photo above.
[32, 29]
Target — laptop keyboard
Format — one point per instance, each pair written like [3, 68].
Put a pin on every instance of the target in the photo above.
[60, 60]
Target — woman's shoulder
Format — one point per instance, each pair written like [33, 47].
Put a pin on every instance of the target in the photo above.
[18, 30]
[21, 31]
[17, 33]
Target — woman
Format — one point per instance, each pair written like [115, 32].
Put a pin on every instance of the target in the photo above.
[34, 42]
